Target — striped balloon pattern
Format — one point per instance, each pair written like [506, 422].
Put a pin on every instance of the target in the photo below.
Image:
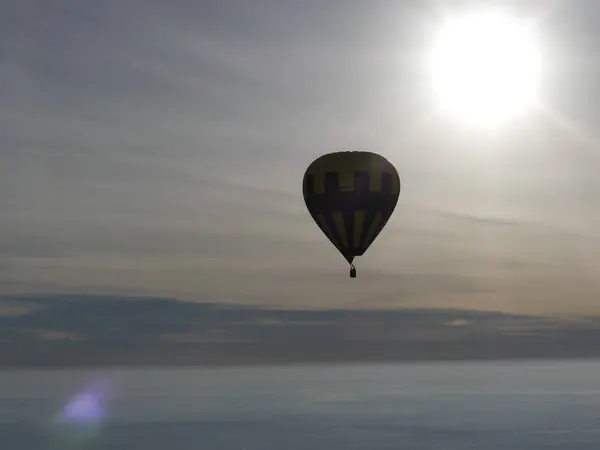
[351, 197]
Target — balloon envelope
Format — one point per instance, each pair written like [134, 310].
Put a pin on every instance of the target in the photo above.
[351, 196]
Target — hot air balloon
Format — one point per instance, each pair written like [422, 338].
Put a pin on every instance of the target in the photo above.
[351, 196]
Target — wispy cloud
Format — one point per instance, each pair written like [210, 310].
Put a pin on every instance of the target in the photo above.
[158, 147]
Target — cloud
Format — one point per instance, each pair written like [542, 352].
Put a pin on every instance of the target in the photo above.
[84, 329]
[11, 307]
[457, 323]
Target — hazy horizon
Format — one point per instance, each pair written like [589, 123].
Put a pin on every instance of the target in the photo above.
[108, 331]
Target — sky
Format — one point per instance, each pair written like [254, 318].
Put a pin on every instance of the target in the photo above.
[158, 148]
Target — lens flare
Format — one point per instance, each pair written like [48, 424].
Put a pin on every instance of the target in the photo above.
[80, 420]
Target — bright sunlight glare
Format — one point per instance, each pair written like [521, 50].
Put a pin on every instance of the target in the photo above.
[485, 67]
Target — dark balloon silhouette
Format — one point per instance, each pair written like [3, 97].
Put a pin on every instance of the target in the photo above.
[351, 196]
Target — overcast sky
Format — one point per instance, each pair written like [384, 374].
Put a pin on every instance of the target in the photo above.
[158, 147]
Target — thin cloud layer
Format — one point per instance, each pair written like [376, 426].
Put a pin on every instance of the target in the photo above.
[100, 330]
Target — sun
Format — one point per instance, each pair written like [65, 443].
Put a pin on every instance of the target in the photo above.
[485, 67]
